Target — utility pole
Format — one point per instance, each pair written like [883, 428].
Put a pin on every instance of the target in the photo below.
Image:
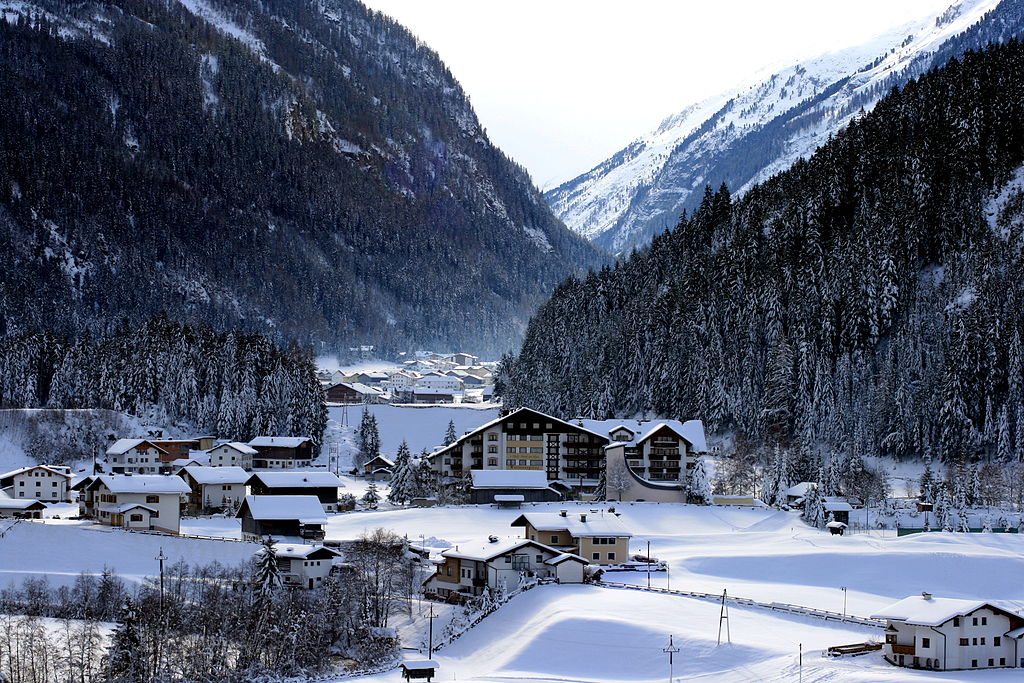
[430, 631]
[723, 617]
[801, 663]
[161, 557]
[670, 651]
[649, 566]
[843, 588]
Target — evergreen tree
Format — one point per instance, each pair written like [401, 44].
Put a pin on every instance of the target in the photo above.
[126, 656]
[927, 484]
[267, 576]
[371, 498]
[403, 482]
[699, 484]
[814, 508]
[450, 436]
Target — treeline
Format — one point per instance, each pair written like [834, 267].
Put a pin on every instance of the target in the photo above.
[232, 384]
[867, 300]
[210, 623]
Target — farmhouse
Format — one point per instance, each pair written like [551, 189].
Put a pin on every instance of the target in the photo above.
[48, 483]
[527, 486]
[351, 393]
[291, 516]
[528, 440]
[600, 538]
[837, 508]
[232, 454]
[281, 452]
[173, 449]
[926, 632]
[21, 508]
[501, 564]
[323, 485]
[135, 456]
[378, 468]
[214, 488]
[304, 566]
[133, 501]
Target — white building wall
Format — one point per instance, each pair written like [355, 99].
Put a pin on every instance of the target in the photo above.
[41, 485]
[225, 456]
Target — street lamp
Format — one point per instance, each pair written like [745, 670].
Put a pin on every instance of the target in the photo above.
[843, 588]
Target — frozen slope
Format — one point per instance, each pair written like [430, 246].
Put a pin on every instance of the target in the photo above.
[743, 137]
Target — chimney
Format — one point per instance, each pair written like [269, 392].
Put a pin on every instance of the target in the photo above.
[583, 518]
[563, 513]
[926, 595]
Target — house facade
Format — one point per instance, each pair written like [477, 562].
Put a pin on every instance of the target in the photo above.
[214, 488]
[134, 501]
[291, 516]
[944, 634]
[46, 483]
[232, 454]
[281, 452]
[501, 564]
[323, 485]
[135, 456]
[528, 440]
[600, 538]
[304, 566]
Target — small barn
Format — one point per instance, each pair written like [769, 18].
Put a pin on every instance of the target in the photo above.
[498, 486]
[24, 509]
[290, 516]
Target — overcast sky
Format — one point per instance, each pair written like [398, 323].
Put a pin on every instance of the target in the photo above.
[562, 84]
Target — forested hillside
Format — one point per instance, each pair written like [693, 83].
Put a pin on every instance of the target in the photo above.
[870, 299]
[304, 168]
[233, 385]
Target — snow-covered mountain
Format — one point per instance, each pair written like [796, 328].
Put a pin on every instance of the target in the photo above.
[745, 135]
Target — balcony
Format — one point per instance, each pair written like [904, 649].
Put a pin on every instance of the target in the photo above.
[903, 650]
[664, 465]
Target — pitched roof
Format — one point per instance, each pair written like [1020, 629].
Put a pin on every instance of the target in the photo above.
[242, 448]
[21, 504]
[596, 524]
[489, 551]
[22, 470]
[279, 441]
[499, 419]
[509, 479]
[217, 475]
[305, 509]
[931, 611]
[691, 430]
[294, 480]
[125, 507]
[299, 551]
[141, 483]
[122, 446]
[559, 559]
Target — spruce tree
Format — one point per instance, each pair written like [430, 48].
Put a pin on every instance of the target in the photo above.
[371, 498]
[699, 484]
[267, 577]
[126, 657]
[450, 436]
[402, 477]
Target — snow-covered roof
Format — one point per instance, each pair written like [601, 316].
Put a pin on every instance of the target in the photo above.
[298, 551]
[421, 664]
[359, 388]
[595, 524]
[800, 490]
[691, 430]
[296, 480]
[125, 507]
[122, 446]
[381, 459]
[927, 610]
[20, 504]
[510, 416]
[242, 448]
[489, 551]
[22, 470]
[218, 475]
[306, 509]
[142, 483]
[509, 498]
[836, 504]
[279, 441]
[559, 559]
[509, 479]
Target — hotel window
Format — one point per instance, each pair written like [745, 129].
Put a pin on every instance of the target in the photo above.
[964, 642]
[492, 462]
[984, 621]
[152, 499]
[611, 556]
[926, 642]
[492, 449]
[956, 621]
[997, 641]
[492, 437]
[597, 556]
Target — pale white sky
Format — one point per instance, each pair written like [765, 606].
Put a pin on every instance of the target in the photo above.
[560, 85]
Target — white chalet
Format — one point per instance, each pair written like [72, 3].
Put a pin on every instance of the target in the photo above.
[470, 569]
[47, 483]
[214, 487]
[134, 456]
[925, 632]
[436, 383]
[134, 501]
[304, 566]
[232, 454]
